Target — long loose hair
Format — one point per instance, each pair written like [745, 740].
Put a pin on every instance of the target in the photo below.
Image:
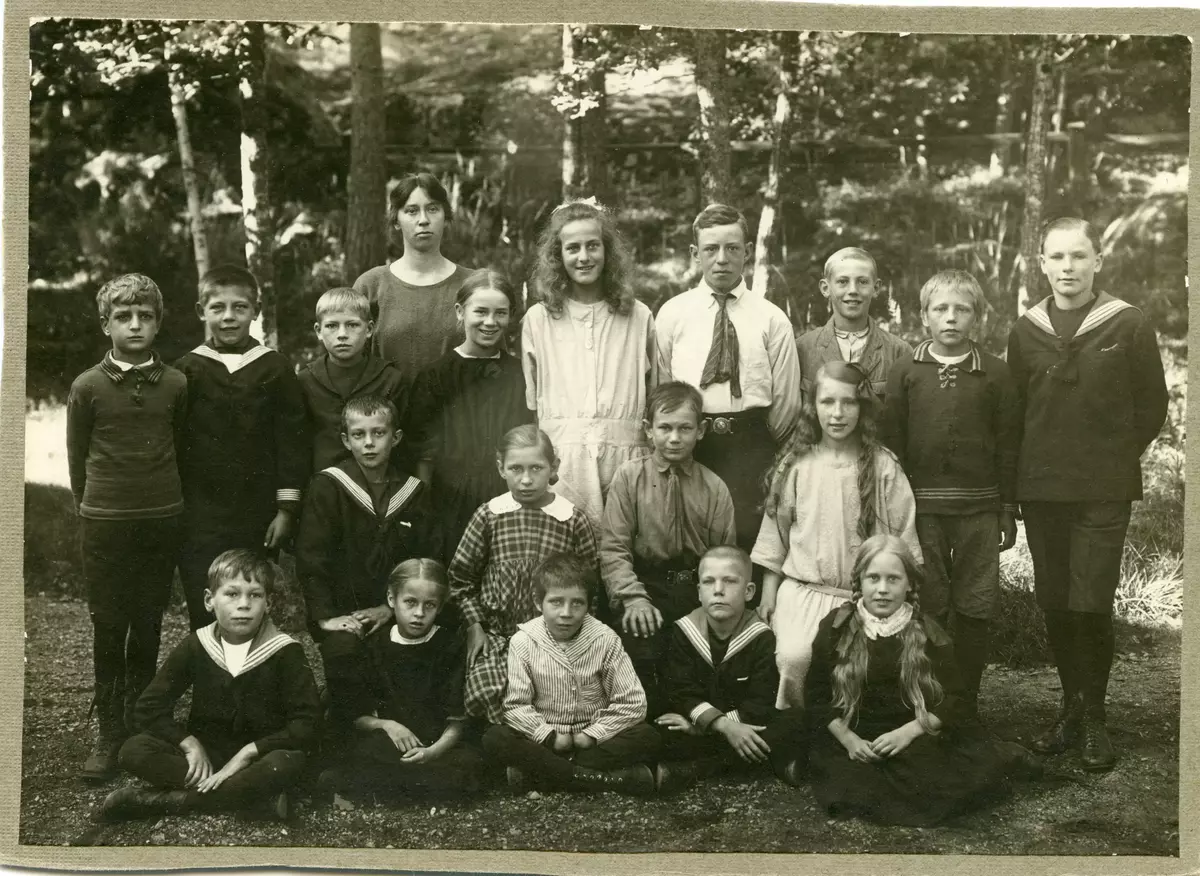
[919, 687]
[550, 273]
[807, 435]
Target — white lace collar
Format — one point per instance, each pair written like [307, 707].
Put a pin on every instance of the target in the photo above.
[875, 627]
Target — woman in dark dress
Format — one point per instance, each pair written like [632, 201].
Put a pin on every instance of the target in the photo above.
[890, 738]
[462, 405]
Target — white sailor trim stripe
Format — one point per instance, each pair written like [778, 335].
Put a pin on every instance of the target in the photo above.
[212, 646]
[699, 710]
[402, 496]
[753, 630]
[251, 355]
[1102, 313]
[1041, 318]
[287, 495]
[356, 492]
[734, 715]
[698, 639]
[560, 508]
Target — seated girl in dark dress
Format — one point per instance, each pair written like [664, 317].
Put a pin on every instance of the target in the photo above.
[891, 741]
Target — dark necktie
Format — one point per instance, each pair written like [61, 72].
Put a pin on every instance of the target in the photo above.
[674, 512]
[723, 362]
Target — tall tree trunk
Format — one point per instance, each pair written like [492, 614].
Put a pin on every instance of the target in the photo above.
[256, 201]
[712, 90]
[367, 196]
[1002, 149]
[1035, 172]
[788, 43]
[585, 120]
[187, 165]
[572, 148]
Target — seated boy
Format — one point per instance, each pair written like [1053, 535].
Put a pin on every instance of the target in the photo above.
[720, 681]
[125, 420]
[245, 451]
[951, 417]
[347, 369]
[361, 517]
[574, 711]
[254, 712]
[850, 285]
[408, 705]
[663, 512]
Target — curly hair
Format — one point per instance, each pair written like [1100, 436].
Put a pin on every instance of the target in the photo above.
[807, 435]
[550, 274]
[129, 289]
[918, 685]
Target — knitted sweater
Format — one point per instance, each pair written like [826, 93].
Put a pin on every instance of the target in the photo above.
[123, 428]
[1089, 406]
[955, 431]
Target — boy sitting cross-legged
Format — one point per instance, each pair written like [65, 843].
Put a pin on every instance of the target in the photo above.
[348, 369]
[720, 680]
[574, 711]
[409, 704]
[361, 518]
[663, 512]
[254, 713]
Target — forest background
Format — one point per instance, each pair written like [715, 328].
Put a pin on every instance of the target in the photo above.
[166, 147]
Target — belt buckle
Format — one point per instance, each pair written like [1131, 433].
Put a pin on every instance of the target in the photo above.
[722, 425]
[684, 576]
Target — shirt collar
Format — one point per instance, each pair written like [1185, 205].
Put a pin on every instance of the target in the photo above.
[735, 293]
[973, 362]
[151, 370]
[685, 466]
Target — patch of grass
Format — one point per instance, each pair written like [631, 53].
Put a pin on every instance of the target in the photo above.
[52, 563]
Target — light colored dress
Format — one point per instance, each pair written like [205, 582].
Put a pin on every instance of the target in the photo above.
[816, 558]
[586, 376]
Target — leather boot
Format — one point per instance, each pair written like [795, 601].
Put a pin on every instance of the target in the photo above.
[109, 705]
[126, 803]
[676, 775]
[1064, 732]
[637, 780]
[1096, 754]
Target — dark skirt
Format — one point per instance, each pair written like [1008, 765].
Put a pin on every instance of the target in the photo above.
[935, 778]
[459, 488]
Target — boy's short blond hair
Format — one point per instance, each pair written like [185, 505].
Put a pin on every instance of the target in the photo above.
[954, 281]
[344, 299]
[228, 277]
[126, 290]
[242, 563]
[850, 252]
[729, 552]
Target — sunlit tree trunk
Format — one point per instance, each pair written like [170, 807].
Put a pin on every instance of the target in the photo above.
[1035, 173]
[713, 93]
[187, 165]
[788, 43]
[256, 201]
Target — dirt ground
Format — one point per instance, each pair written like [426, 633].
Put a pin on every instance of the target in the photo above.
[1132, 810]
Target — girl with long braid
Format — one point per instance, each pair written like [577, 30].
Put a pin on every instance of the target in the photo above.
[892, 739]
[831, 488]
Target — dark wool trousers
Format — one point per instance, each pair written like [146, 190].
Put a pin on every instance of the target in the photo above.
[376, 765]
[785, 734]
[162, 764]
[637, 745]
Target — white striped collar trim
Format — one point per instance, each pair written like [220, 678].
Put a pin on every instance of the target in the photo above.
[251, 355]
[560, 509]
[358, 494]
[1103, 310]
[699, 637]
[267, 641]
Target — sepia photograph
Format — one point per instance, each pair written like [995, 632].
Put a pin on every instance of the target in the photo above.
[603, 438]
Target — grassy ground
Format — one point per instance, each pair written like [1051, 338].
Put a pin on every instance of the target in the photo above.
[1131, 810]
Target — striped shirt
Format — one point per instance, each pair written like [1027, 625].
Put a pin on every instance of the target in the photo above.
[586, 684]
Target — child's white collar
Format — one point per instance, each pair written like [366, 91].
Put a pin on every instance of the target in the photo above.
[400, 639]
[560, 509]
[875, 627]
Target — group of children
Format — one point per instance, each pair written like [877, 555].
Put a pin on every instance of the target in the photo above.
[549, 558]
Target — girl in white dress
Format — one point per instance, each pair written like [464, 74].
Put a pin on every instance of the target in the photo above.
[832, 487]
[588, 352]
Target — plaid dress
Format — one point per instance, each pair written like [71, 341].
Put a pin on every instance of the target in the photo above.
[490, 581]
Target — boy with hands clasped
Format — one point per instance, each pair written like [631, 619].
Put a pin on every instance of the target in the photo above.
[254, 712]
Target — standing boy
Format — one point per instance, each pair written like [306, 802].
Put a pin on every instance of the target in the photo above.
[254, 711]
[574, 712]
[1093, 397]
[850, 285]
[125, 421]
[720, 682]
[361, 518]
[347, 369]
[246, 453]
[663, 512]
[951, 419]
[737, 349]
